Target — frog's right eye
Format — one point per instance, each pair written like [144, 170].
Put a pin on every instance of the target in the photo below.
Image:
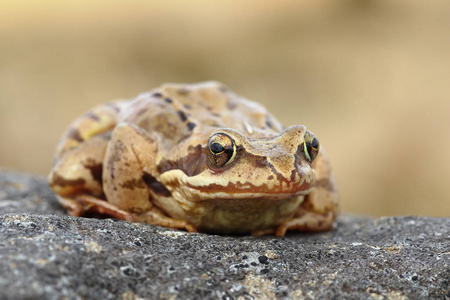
[222, 150]
[310, 146]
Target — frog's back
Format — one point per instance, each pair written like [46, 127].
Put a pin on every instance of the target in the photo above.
[177, 111]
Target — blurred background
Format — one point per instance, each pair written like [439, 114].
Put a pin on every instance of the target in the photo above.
[369, 78]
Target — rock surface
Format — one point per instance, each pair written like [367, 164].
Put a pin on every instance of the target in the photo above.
[45, 254]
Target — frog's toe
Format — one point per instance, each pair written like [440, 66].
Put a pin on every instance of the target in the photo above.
[309, 221]
[190, 227]
[261, 232]
[94, 205]
[178, 224]
[73, 207]
[156, 216]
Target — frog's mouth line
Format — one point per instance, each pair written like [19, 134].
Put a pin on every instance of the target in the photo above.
[247, 191]
[200, 188]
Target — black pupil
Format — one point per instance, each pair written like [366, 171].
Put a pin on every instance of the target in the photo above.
[315, 143]
[217, 148]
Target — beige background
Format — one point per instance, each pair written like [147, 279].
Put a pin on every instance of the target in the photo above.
[369, 78]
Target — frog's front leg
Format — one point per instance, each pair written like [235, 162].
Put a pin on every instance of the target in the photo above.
[130, 179]
[319, 209]
[305, 220]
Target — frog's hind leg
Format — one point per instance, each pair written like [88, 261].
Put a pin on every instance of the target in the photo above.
[130, 177]
[99, 120]
[91, 205]
[153, 216]
[78, 163]
[319, 209]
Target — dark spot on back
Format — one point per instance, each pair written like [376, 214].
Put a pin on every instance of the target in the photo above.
[187, 106]
[74, 134]
[157, 95]
[155, 185]
[191, 125]
[168, 100]
[270, 177]
[268, 123]
[92, 116]
[95, 168]
[182, 115]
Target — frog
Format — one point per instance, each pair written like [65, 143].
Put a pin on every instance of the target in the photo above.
[195, 157]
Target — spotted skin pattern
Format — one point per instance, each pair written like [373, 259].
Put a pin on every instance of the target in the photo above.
[196, 157]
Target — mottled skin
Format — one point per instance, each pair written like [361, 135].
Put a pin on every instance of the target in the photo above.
[152, 159]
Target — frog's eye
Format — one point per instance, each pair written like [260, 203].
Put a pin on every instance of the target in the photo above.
[310, 146]
[222, 150]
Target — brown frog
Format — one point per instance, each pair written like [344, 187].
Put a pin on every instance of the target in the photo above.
[197, 157]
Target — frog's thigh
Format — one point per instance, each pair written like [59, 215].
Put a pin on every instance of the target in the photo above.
[129, 159]
[129, 166]
[319, 209]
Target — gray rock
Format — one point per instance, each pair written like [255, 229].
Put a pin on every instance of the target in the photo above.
[54, 256]
[23, 193]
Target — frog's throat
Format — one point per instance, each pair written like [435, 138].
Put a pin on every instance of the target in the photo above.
[197, 187]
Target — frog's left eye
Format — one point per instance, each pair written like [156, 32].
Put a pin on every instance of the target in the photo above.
[310, 146]
[222, 150]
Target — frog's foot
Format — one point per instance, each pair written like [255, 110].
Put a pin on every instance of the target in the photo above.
[307, 221]
[261, 232]
[73, 207]
[156, 217]
[84, 204]
[303, 221]
[94, 205]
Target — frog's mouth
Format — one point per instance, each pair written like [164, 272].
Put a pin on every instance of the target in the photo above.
[198, 188]
[249, 191]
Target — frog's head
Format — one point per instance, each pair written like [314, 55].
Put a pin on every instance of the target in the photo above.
[237, 167]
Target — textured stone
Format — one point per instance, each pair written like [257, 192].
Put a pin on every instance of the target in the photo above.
[25, 193]
[52, 256]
